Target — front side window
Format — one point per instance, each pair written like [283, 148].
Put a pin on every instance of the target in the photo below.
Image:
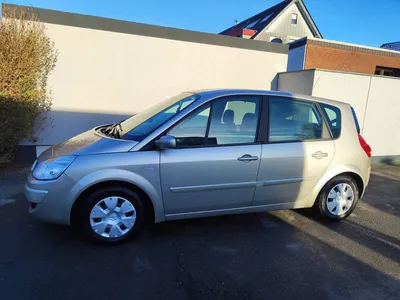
[191, 131]
[293, 120]
[142, 124]
[234, 120]
[226, 121]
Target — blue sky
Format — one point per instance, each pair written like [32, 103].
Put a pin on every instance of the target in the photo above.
[366, 22]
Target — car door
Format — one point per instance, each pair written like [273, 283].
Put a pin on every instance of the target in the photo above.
[216, 161]
[298, 151]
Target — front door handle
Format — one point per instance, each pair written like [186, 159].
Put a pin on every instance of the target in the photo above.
[247, 158]
[319, 154]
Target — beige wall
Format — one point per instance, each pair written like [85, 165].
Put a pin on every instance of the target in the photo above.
[103, 76]
[375, 99]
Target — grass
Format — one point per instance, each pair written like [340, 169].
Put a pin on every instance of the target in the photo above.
[388, 163]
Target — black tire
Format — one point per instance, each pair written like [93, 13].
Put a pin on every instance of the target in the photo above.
[83, 218]
[323, 197]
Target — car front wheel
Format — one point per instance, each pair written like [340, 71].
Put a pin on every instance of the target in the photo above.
[111, 214]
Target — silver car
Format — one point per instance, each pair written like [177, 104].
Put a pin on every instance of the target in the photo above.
[201, 154]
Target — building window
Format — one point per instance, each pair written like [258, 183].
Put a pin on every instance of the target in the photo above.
[386, 71]
[294, 19]
[276, 40]
[251, 25]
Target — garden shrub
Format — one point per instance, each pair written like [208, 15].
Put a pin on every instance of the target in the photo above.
[27, 55]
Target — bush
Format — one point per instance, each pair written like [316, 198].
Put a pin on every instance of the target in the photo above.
[27, 55]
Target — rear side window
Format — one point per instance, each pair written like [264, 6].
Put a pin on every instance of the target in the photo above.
[333, 117]
[356, 120]
[293, 120]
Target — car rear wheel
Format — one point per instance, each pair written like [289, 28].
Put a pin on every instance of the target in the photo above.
[111, 215]
[338, 198]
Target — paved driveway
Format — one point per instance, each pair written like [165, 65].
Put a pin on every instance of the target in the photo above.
[279, 255]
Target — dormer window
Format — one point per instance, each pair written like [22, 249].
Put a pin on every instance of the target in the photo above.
[294, 19]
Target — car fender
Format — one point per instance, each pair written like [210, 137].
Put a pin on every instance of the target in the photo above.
[105, 175]
[331, 173]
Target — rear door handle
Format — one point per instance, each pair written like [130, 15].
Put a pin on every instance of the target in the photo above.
[319, 155]
[247, 158]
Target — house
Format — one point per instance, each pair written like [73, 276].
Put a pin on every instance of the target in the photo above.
[391, 46]
[311, 53]
[285, 22]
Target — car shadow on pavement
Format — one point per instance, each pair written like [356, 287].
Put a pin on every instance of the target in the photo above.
[383, 191]
[276, 255]
[291, 254]
[374, 225]
[381, 243]
[268, 246]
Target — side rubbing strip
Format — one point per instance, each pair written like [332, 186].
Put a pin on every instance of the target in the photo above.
[285, 181]
[213, 187]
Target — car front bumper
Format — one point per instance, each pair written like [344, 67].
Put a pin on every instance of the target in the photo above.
[50, 200]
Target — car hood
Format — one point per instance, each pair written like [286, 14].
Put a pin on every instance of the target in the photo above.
[88, 143]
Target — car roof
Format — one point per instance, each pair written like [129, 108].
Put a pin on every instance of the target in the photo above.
[213, 93]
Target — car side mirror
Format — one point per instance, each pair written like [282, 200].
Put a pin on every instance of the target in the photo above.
[166, 142]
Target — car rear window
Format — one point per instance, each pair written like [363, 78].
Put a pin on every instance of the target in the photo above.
[356, 120]
[333, 117]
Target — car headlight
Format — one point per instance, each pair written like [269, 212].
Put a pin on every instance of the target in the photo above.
[52, 168]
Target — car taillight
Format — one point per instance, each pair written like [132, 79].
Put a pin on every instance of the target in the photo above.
[364, 145]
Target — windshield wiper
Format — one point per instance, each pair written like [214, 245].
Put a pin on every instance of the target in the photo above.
[113, 130]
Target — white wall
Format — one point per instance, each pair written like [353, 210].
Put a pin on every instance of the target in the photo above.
[375, 99]
[104, 76]
[382, 120]
[345, 87]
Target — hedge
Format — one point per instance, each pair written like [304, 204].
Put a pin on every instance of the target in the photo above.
[27, 56]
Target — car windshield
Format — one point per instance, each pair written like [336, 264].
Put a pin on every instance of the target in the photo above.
[142, 124]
